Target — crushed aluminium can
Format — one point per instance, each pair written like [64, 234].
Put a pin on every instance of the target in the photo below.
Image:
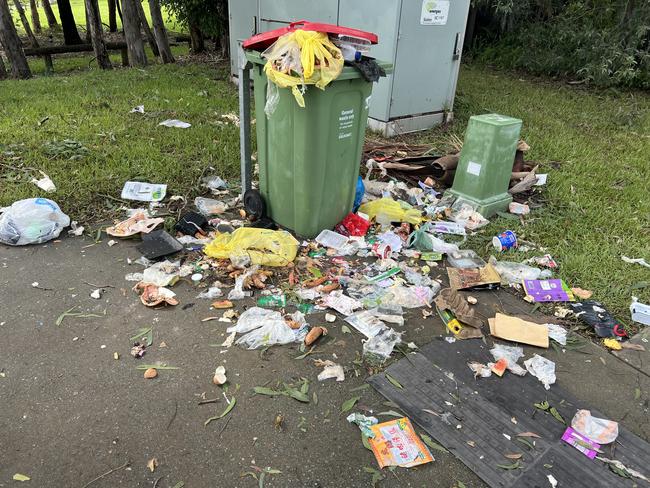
[505, 241]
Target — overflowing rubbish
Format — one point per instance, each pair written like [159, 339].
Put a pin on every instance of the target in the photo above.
[32, 221]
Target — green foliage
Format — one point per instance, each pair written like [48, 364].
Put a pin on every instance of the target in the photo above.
[210, 16]
[602, 42]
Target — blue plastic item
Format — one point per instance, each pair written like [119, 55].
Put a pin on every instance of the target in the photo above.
[358, 196]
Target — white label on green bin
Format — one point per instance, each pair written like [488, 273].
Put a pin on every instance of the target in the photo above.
[434, 12]
[474, 168]
[346, 122]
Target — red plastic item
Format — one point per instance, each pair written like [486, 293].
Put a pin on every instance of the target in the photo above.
[353, 225]
[265, 39]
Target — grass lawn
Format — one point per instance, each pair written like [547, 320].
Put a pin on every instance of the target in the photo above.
[596, 147]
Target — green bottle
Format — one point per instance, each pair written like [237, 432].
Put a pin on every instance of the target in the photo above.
[272, 301]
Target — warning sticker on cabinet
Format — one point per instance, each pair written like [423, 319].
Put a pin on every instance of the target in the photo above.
[434, 12]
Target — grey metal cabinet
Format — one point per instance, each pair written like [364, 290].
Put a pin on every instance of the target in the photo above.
[421, 38]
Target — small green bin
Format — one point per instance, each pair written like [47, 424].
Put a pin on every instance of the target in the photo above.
[309, 157]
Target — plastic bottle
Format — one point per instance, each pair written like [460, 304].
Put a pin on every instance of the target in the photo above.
[272, 301]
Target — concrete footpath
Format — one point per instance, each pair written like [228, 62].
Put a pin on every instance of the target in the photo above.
[70, 412]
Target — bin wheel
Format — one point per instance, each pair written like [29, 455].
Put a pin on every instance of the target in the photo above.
[254, 204]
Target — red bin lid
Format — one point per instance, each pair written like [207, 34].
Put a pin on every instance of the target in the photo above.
[265, 39]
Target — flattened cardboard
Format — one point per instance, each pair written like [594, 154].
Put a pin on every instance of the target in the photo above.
[473, 278]
[518, 330]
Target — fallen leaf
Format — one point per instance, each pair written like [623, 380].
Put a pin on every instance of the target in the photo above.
[392, 413]
[529, 434]
[432, 444]
[509, 466]
[345, 329]
[393, 381]
[514, 456]
[152, 464]
[180, 484]
[349, 404]
[21, 477]
[233, 401]
[637, 393]
[362, 387]
[261, 390]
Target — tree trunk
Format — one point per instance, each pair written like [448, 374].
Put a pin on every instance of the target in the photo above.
[88, 37]
[147, 30]
[196, 39]
[131, 23]
[112, 16]
[11, 44]
[70, 33]
[160, 32]
[471, 25]
[97, 35]
[49, 14]
[36, 19]
[32, 38]
[119, 12]
[3, 70]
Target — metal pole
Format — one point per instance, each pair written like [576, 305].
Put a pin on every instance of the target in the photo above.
[245, 122]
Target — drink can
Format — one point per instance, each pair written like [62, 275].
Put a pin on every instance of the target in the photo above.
[382, 250]
[504, 241]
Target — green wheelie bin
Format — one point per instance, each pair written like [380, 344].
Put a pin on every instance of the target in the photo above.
[309, 157]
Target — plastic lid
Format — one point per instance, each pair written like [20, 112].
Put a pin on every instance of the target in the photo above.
[265, 39]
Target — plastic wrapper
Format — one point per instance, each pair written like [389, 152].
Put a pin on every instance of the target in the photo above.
[263, 327]
[210, 293]
[32, 221]
[410, 296]
[163, 273]
[602, 431]
[516, 273]
[383, 343]
[512, 354]
[302, 58]
[541, 368]
[341, 303]
[465, 213]
[210, 206]
[424, 241]
[557, 333]
[363, 422]
[264, 247]
[386, 210]
[366, 322]
[464, 259]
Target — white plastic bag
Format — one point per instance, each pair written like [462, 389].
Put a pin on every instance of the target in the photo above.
[516, 273]
[263, 327]
[210, 206]
[410, 296]
[541, 368]
[602, 431]
[32, 221]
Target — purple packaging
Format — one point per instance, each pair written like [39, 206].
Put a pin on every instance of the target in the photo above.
[548, 290]
[504, 241]
[583, 444]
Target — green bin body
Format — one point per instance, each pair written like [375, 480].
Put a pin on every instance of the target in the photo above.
[309, 157]
[485, 165]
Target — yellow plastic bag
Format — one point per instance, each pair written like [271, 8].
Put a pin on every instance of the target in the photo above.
[392, 210]
[264, 247]
[303, 58]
